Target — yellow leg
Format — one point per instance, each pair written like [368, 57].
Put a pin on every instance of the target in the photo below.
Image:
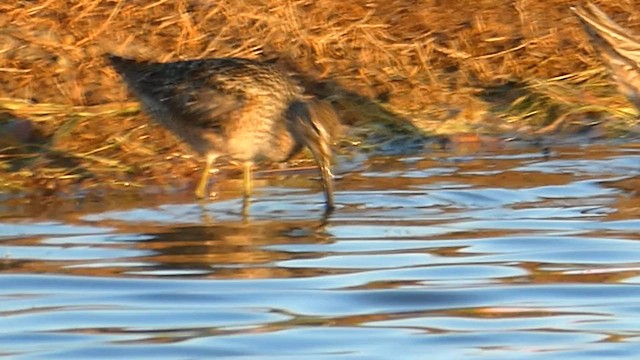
[204, 179]
[247, 182]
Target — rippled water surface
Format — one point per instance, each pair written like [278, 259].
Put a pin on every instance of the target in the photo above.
[497, 255]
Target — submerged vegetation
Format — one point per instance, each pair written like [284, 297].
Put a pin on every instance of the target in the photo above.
[404, 69]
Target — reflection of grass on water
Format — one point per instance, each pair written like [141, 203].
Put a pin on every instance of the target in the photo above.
[392, 70]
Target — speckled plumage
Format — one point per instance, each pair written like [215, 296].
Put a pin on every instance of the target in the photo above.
[240, 108]
[617, 46]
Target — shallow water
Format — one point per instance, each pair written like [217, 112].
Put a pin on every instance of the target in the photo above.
[497, 255]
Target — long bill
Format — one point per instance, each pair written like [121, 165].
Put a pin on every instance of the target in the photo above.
[311, 126]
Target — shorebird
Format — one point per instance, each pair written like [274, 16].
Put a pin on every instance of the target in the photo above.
[618, 47]
[238, 108]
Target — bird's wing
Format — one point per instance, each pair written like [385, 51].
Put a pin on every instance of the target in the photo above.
[193, 93]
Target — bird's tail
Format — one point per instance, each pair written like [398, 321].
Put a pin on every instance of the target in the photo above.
[129, 69]
[118, 62]
[606, 34]
[618, 48]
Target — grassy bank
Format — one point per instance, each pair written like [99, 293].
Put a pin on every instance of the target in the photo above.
[391, 67]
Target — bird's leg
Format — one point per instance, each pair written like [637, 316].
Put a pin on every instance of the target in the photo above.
[247, 182]
[202, 184]
[247, 185]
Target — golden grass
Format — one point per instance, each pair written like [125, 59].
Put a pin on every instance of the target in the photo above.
[391, 67]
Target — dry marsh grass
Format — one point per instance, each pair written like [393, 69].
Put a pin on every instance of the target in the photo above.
[416, 66]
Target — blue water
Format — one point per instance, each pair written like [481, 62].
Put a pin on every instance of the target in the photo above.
[505, 255]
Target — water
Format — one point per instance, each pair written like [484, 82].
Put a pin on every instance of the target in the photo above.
[502, 255]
